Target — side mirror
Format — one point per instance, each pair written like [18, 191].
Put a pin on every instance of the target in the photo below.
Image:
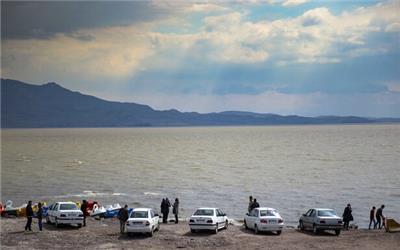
[304, 215]
[247, 214]
[156, 215]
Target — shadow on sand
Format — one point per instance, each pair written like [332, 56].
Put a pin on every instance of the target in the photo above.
[321, 233]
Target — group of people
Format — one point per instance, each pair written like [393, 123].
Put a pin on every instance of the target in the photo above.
[252, 204]
[29, 216]
[378, 215]
[165, 205]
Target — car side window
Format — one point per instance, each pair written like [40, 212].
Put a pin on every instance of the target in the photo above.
[55, 207]
[218, 212]
[152, 214]
[309, 212]
[254, 212]
[312, 213]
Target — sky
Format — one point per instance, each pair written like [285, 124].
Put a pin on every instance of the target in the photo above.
[274, 56]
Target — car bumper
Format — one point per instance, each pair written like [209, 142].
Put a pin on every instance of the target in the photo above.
[202, 226]
[277, 227]
[329, 227]
[138, 229]
[69, 220]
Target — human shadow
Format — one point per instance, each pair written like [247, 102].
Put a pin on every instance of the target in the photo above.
[250, 231]
[326, 233]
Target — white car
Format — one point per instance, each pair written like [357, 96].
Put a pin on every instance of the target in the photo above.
[264, 219]
[64, 213]
[319, 219]
[208, 219]
[143, 220]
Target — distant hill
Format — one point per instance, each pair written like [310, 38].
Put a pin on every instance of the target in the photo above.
[49, 105]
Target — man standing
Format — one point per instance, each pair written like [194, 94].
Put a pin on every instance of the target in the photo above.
[84, 207]
[250, 204]
[175, 210]
[123, 217]
[372, 218]
[167, 206]
[29, 215]
[39, 215]
[347, 216]
[379, 217]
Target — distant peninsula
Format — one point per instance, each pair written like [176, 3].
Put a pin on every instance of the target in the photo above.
[50, 105]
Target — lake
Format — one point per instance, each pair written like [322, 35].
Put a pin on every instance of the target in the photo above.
[290, 168]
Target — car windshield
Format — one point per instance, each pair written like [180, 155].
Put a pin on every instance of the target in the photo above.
[327, 213]
[268, 213]
[140, 214]
[205, 212]
[68, 207]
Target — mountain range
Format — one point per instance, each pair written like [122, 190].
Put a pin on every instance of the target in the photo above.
[50, 105]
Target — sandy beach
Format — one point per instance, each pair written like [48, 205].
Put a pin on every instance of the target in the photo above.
[104, 234]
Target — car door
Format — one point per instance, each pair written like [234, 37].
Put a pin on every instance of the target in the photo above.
[252, 218]
[51, 213]
[153, 218]
[220, 217]
[307, 220]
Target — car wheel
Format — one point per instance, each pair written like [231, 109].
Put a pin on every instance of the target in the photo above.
[151, 232]
[301, 226]
[315, 229]
[278, 232]
[216, 229]
[245, 225]
[56, 222]
[192, 230]
[226, 224]
[256, 229]
[158, 227]
[337, 231]
[79, 225]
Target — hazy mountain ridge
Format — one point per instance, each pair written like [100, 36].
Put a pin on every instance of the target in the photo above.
[25, 105]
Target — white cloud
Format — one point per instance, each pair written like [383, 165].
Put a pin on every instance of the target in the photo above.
[294, 2]
[393, 27]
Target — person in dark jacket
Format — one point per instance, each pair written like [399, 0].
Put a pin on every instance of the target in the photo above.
[123, 216]
[347, 216]
[175, 209]
[84, 208]
[162, 207]
[250, 204]
[372, 218]
[29, 215]
[39, 215]
[167, 205]
[379, 217]
[254, 205]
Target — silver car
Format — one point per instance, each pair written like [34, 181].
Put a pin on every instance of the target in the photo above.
[320, 219]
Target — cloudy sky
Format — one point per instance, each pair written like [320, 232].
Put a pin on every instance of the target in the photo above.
[275, 56]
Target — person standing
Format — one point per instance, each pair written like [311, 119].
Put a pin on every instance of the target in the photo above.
[123, 217]
[379, 217]
[347, 216]
[167, 206]
[39, 215]
[250, 204]
[163, 210]
[175, 209]
[84, 208]
[372, 218]
[254, 205]
[29, 215]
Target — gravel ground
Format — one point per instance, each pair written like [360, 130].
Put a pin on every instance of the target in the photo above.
[104, 234]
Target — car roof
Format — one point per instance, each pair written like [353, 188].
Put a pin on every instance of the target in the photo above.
[142, 209]
[323, 208]
[66, 202]
[207, 208]
[265, 208]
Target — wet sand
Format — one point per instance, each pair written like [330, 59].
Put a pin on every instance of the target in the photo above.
[104, 234]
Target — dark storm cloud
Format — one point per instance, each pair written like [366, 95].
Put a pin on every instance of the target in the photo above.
[24, 20]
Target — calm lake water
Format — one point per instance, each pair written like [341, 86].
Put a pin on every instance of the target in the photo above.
[290, 168]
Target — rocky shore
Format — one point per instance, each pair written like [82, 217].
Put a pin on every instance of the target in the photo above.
[104, 234]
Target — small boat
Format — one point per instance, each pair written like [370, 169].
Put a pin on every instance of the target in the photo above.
[112, 211]
[98, 211]
[14, 211]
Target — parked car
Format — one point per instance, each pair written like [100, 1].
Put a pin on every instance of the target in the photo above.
[143, 220]
[64, 213]
[208, 219]
[320, 219]
[264, 219]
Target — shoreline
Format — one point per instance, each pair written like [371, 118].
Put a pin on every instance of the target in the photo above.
[104, 234]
